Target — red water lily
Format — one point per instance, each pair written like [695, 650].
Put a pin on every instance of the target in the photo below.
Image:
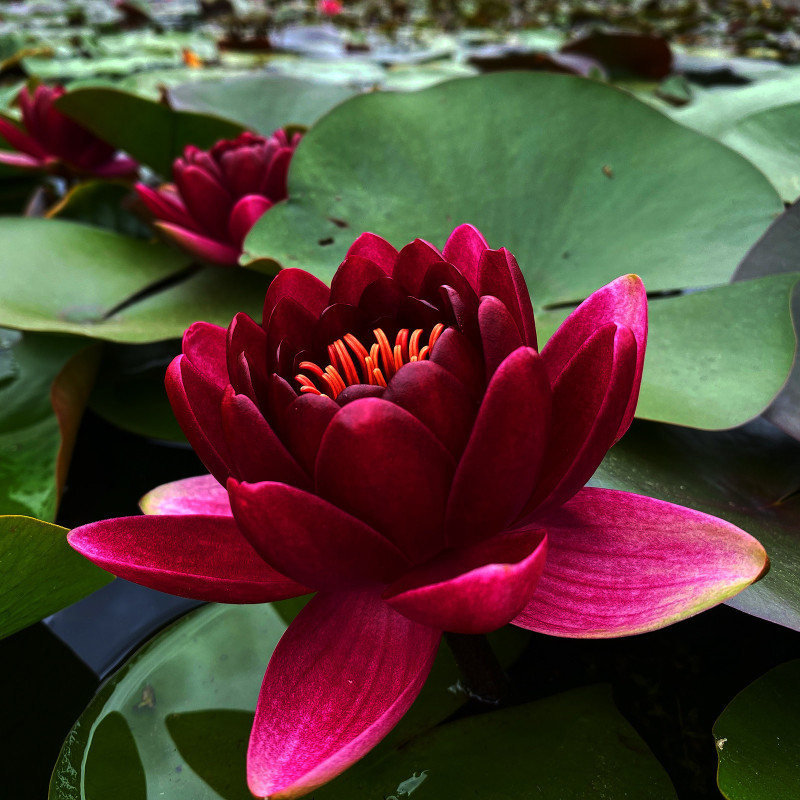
[397, 444]
[51, 141]
[219, 194]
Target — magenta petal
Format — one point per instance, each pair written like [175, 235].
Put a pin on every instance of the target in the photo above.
[437, 399]
[21, 161]
[204, 345]
[205, 199]
[501, 462]
[201, 246]
[376, 249]
[247, 211]
[200, 495]
[453, 352]
[589, 400]
[305, 422]
[412, 264]
[499, 275]
[620, 564]
[166, 206]
[20, 140]
[256, 453]
[475, 589]
[500, 335]
[312, 540]
[344, 673]
[244, 336]
[353, 276]
[119, 167]
[196, 403]
[300, 286]
[463, 249]
[382, 465]
[623, 301]
[275, 186]
[202, 557]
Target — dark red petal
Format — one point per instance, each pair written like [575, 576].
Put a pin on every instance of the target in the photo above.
[589, 400]
[357, 391]
[203, 557]
[499, 333]
[291, 323]
[501, 462]
[206, 200]
[275, 185]
[381, 464]
[412, 264]
[299, 285]
[196, 404]
[344, 673]
[453, 352]
[256, 453]
[443, 274]
[499, 275]
[312, 540]
[437, 399]
[463, 249]
[351, 278]
[475, 589]
[376, 249]
[165, 206]
[623, 301]
[204, 346]
[244, 169]
[244, 215]
[305, 422]
[382, 302]
[244, 336]
[20, 140]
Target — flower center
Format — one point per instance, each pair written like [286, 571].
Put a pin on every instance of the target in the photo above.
[374, 367]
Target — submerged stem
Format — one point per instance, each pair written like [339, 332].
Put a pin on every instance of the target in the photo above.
[482, 676]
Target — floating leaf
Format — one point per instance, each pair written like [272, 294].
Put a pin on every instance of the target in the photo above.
[113, 767]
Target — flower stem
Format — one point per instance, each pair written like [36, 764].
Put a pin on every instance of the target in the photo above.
[482, 676]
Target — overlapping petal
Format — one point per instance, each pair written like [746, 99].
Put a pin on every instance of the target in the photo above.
[202, 495]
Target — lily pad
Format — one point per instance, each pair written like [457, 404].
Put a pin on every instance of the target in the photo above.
[580, 181]
[159, 134]
[747, 476]
[260, 102]
[574, 745]
[756, 737]
[208, 668]
[97, 283]
[39, 572]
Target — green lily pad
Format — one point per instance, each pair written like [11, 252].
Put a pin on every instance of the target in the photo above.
[113, 768]
[65, 277]
[704, 367]
[747, 476]
[756, 737]
[39, 572]
[260, 102]
[159, 134]
[574, 745]
[208, 668]
[580, 181]
[43, 391]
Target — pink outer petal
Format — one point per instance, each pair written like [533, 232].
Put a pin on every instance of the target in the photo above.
[165, 205]
[620, 564]
[21, 161]
[247, 211]
[347, 669]
[312, 540]
[376, 249]
[202, 557]
[463, 249]
[204, 345]
[473, 589]
[498, 470]
[20, 140]
[382, 465]
[200, 495]
[201, 246]
[623, 301]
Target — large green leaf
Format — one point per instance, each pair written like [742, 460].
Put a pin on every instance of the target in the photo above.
[715, 358]
[209, 662]
[567, 747]
[747, 476]
[260, 102]
[64, 277]
[151, 132]
[44, 383]
[39, 572]
[757, 743]
[580, 181]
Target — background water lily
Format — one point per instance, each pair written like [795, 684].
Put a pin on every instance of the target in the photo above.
[219, 194]
[398, 444]
[50, 140]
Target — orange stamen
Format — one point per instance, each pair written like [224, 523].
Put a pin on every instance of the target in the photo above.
[413, 346]
[381, 381]
[424, 352]
[347, 362]
[435, 334]
[398, 357]
[305, 383]
[370, 365]
[386, 351]
[310, 390]
[402, 340]
[338, 383]
[359, 351]
[311, 367]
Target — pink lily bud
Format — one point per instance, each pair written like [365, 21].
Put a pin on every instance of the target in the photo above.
[219, 194]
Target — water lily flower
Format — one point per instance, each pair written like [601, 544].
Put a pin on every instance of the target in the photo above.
[398, 444]
[330, 8]
[219, 194]
[51, 141]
